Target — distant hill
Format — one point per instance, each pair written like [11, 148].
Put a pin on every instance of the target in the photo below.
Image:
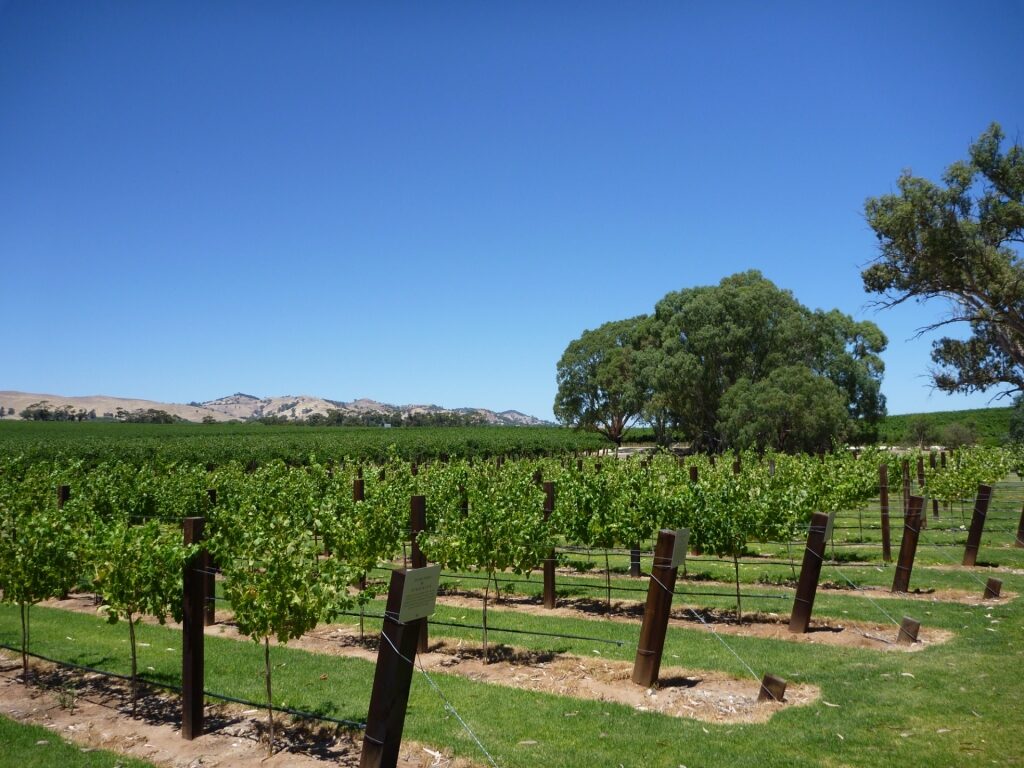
[990, 426]
[243, 407]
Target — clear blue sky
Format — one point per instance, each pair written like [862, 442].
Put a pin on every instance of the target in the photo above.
[426, 202]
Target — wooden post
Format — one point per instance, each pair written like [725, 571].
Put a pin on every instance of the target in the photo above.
[773, 688]
[920, 490]
[908, 631]
[391, 682]
[908, 545]
[1020, 530]
[977, 523]
[693, 474]
[193, 602]
[932, 462]
[357, 489]
[210, 581]
[549, 561]
[810, 571]
[418, 523]
[883, 503]
[634, 562]
[656, 613]
[993, 587]
[63, 494]
[736, 468]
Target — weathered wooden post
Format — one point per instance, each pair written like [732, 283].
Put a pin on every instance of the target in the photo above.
[977, 523]
[193, 603]
[773, 688]
[993, 588]
[908, 545]
[417, 524]
[549, 561]
[1020, 530]
[883, 503]
[905, 477]
[908, 631]
[63, 494]
[358, 489]
[411, 598]
[810, 571]
[932, 463]
[668, 554]
[694, 474]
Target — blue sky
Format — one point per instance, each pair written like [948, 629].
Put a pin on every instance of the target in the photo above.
[426, 202]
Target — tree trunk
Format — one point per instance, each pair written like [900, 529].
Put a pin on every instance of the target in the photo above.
[739, 605]
[270, 701]
[487, 590]
[608, 584]
[131, 642]
[24, 642]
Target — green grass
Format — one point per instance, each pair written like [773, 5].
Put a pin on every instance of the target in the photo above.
[23, 746]
[952, 704]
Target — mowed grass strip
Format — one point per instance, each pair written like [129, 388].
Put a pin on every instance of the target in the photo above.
[32, 746]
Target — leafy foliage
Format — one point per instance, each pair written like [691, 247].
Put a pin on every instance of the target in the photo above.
[676, 367]
[960, 241]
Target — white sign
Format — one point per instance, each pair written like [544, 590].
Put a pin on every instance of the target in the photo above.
[828, 526]
[679, 550]
[420, 593]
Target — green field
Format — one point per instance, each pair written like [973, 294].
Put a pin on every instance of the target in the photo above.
[991, 426]
[94, 442]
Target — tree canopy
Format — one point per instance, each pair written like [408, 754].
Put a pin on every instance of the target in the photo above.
[960, 241]
[600, 379]
[678, 366]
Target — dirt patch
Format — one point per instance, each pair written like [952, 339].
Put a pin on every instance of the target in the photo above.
[94, 712]
[700, 694]
[772, 626]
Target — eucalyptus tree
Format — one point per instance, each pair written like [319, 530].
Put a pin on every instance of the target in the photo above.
[601, 384]
[959, 241]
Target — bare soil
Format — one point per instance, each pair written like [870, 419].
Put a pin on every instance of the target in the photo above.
[94, 712]
[849, 634]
